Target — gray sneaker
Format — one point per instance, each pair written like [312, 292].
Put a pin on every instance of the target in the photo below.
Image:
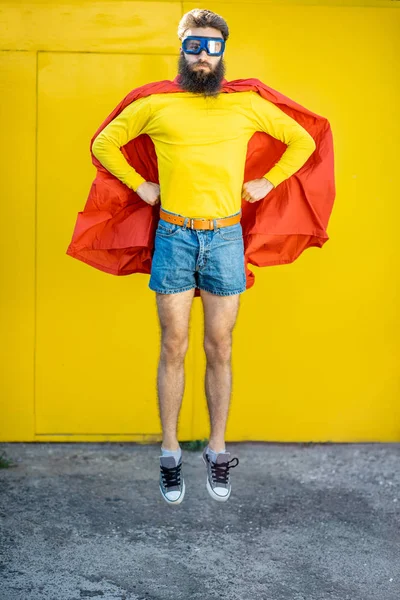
[172, 485]
[218, 484]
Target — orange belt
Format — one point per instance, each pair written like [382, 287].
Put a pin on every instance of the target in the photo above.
[200, 223]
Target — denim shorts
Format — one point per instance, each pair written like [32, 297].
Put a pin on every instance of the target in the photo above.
[209, 259]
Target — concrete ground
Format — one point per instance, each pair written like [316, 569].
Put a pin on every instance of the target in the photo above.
[304, 522]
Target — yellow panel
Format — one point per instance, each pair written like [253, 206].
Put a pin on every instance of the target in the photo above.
[316, 347]
[138, 27]
[98, 337]
[17, 243]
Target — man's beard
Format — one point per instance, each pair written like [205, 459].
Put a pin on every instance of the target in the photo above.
[200, 81]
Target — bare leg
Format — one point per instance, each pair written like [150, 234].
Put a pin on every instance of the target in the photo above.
[174, 314]
[220, 313]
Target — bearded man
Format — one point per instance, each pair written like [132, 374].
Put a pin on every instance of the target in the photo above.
[201, 138]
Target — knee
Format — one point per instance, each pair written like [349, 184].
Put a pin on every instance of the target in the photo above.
[218, 350]
[174, 347]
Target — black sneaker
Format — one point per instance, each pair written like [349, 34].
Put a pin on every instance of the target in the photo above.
[172, 485]
[218, 484]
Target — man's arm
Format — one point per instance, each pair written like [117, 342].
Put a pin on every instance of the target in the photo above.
[274, 121]
[130, 123]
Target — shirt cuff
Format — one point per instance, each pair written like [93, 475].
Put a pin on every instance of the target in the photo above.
[133, 180]
[276, 175]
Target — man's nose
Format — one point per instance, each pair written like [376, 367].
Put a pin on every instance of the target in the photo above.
[203, 54]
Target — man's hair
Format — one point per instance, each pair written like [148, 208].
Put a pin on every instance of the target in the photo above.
[199, 17]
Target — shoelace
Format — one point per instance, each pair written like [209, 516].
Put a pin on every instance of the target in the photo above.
[171, 476]
[220, 472]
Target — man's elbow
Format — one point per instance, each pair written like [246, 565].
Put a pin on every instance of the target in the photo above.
[307, 145]
[97, 147]
[303, 141]
[102, 145]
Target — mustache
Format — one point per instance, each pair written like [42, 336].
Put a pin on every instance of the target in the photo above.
[206, 82]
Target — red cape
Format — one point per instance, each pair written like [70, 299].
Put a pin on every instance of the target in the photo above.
[115, 231]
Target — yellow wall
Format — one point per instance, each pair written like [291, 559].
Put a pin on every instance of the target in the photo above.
[316, 346]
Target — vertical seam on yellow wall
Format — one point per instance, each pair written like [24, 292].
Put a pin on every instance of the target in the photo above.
[193, 353]
[35, 245]
[193, 335]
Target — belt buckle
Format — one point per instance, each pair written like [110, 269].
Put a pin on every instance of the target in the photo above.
[208, 220]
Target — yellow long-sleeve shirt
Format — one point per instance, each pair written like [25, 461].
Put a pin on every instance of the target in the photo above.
[201, 146]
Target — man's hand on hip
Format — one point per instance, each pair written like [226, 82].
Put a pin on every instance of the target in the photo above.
[149, 192]
[256, 189]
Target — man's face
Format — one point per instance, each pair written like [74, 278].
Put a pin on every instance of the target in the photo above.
[201, 73]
